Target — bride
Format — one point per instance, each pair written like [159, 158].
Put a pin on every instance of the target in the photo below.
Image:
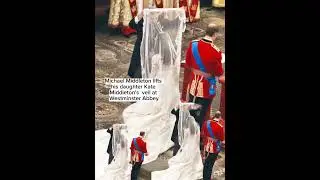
[187, 164]
[119, 168]
[154, 117]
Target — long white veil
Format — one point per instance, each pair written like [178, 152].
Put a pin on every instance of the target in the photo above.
[160, 58]
[184, 114]
[119, 168]
[187, 163]
[102, 138]
[162, 25]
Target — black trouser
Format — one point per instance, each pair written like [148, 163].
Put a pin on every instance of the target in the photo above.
[110, 158]
[175, 137]
[208, 165]
[135, 170]
[135, 63]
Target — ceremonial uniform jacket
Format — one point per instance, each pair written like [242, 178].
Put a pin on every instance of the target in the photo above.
[212, 145]
[193, 83]
[137, 155]
[221, 122]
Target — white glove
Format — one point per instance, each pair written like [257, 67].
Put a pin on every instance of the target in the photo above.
[138, 17]
[223, 60]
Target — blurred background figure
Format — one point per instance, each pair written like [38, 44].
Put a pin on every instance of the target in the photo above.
[218, 3]
[120, 14]
[192, 9]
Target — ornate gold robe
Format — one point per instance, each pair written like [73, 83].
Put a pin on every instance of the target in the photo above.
[218, 3]
[120, 13]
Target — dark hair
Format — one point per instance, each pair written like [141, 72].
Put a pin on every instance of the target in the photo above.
[165, 50]
[211, 29]
[142, 133]
[191, 126]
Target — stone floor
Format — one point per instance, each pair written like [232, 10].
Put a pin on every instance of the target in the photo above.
[113, 53]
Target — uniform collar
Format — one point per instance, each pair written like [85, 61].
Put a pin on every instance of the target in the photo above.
[207, 40]
[216, 119]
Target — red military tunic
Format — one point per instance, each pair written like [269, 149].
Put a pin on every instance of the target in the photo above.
[210, 145]
[194, 83]
[221, 122]
[136, 155]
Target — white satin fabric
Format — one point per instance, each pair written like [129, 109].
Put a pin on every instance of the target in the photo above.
[102, 138]
[187, 164]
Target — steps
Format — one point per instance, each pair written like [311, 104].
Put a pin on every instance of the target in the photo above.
[161, 163]
[157, 165]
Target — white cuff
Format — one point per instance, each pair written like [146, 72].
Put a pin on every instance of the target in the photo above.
[223, 59]
[136, 20]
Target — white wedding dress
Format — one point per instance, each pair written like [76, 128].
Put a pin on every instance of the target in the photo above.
[119, 168]
[187, 163]
[155, 118]
[160, 58]
[102, 138]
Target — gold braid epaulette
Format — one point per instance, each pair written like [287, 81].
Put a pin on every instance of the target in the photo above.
[215, 47]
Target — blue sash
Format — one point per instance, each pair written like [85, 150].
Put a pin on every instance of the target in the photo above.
[212, 136]
[196, 55]
[137, 148]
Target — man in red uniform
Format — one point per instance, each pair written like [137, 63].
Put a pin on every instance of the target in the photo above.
[138, 150]
[212, 134]
[203, 65]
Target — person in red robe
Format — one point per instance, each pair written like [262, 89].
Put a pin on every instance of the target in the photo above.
[212, 134]
[138, 151]
[192, 9]
[120, 14]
